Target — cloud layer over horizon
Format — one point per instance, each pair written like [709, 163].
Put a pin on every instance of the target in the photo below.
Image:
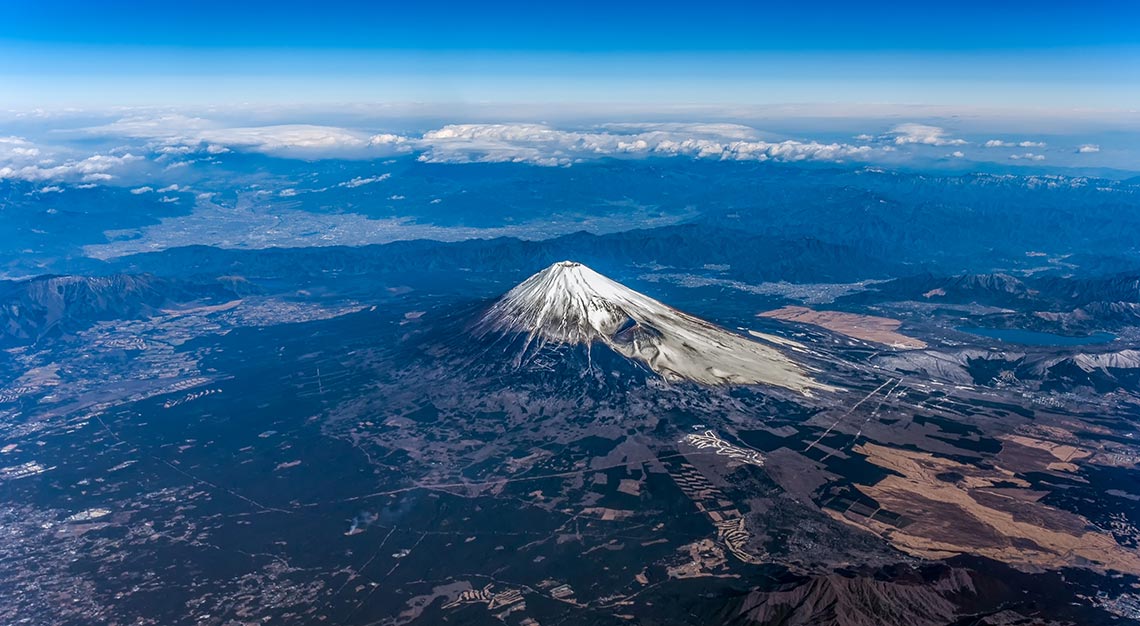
[165, 141]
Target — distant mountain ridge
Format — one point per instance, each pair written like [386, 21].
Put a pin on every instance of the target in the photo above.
[685, 247]
[51, 305]
[999, 289]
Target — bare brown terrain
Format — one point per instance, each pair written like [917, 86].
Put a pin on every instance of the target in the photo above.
[951, 508]
[865, 327]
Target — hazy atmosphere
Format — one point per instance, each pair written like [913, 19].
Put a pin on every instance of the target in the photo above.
[764, 314]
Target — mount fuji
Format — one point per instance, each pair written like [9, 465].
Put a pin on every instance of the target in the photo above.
[571, 304]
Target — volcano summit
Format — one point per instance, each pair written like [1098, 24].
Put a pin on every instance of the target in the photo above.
[571, 304]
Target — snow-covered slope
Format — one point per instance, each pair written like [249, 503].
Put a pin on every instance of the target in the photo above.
[569, 303]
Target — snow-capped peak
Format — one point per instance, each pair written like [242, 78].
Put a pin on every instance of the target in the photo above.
[569, 303]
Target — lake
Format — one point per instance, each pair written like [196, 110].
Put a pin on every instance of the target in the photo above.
[1034, 338]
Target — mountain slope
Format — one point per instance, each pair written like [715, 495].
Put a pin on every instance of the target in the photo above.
[38, 307]
[568, 303]
[837, 600]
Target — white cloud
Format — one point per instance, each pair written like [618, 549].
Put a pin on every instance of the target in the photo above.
[141, 190]
[21, 159]
[911, 133]
[147, 126]
[17, 148]
[386, 139]
[18, 164]
[169, 188]
[360, 182]
[1028, 156]
[1088, 148]
[998, 143]
[175, 135]
[19, 151]
[179, 140]
[271, 139]
[543, 145]
[173, 150]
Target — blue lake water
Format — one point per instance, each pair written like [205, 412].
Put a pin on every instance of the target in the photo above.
[1034, 338]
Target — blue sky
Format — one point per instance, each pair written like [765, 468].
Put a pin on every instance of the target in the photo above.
[1007, 54]
[583, 26]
